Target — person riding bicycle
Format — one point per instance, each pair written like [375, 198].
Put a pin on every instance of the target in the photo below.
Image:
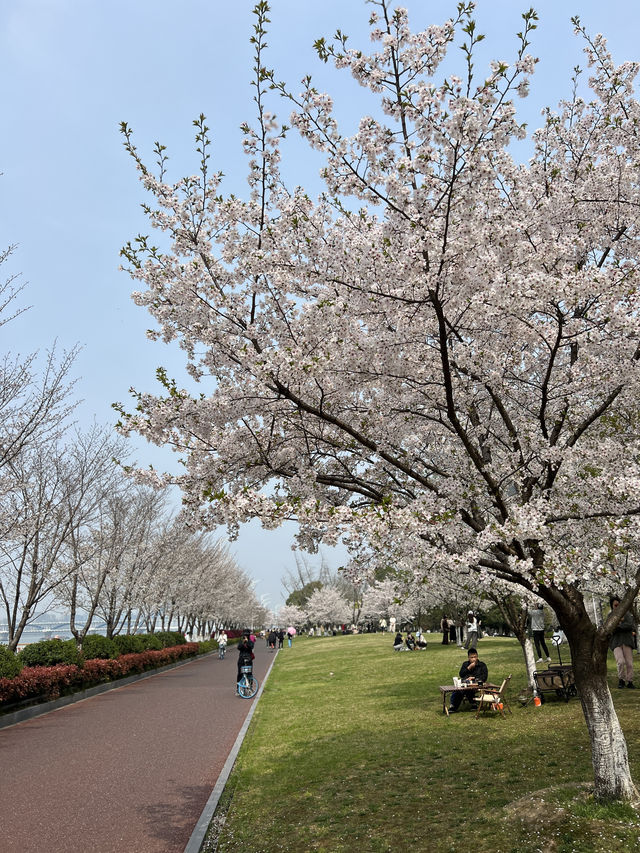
[245, 653]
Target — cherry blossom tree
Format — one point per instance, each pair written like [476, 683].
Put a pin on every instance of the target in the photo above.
[35, 393]
[124, 586]
[327, 606]
[380, 600]
[54, 494]
[289, 614]
[100, 544]
[439, 354]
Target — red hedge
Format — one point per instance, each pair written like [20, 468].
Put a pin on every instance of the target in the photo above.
[49, 681]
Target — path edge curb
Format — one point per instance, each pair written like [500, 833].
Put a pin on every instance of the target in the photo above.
[198, 835]
[15, 717]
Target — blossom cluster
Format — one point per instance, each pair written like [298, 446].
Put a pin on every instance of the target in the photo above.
[436, 360]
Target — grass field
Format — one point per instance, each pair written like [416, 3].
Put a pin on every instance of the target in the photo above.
[349, 751]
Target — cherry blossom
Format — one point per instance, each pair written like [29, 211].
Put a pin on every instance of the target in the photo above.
[435, 360]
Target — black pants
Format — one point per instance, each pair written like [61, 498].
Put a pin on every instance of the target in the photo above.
[457, 697]
[538, 639]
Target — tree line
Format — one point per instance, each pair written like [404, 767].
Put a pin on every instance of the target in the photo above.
[77, 531]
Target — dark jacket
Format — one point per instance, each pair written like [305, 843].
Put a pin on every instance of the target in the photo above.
[245, 649]
[623, 635]
[479, 672]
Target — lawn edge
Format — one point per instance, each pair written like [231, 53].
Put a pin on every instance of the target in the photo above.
[202, 826]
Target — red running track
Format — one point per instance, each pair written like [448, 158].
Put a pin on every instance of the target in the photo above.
[129, 770]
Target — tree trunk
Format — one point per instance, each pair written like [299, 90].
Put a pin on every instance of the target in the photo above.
[527, 650]
[529, 659]
[515, 616]
[608, 746]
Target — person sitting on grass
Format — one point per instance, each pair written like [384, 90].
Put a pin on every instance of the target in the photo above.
[472, 671]
[411, 642]
[398, 643]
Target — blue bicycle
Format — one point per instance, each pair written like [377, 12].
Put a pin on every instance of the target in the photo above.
[248, 684]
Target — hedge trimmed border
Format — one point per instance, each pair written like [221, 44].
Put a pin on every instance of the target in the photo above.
[12, 718]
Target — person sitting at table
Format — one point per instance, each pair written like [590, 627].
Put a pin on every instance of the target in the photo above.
[472, 671]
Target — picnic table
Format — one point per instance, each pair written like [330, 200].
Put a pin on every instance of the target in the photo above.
[446, 689]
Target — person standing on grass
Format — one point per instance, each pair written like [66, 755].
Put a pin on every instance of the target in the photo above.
[621, 644]
[453, 632]
[444, 627]
[472, 671]
[536, 619]
[472, 630]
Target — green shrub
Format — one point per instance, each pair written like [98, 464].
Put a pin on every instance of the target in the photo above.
[170, 638]
[207, 646]
[128, 643]
[96, 646]
[10, 665]
[50, 653]
[150, 642]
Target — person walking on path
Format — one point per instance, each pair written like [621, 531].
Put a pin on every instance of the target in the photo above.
[536, 619]
[621, 644]
[290, 635]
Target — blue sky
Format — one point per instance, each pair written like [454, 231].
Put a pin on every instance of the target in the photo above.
[72, 70]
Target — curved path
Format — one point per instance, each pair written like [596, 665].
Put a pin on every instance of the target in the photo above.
[129, 770]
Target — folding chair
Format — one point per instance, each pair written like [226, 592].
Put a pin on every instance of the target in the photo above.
[493, 700]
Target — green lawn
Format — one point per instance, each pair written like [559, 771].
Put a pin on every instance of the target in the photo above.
[349, 751]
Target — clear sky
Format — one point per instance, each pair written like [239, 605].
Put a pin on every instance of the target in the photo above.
[72, 70]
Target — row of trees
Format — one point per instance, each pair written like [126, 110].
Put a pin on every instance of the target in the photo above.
[77, 532]
[330, 598]
[436, 358]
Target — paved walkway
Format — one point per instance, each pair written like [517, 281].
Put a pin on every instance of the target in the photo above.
[129, 770]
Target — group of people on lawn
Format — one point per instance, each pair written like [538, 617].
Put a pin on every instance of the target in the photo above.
[450, 630]
[411, 643]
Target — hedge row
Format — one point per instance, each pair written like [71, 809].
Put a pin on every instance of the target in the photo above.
[49, 682]
[52, 652]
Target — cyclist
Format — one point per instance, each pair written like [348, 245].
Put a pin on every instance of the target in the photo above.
[222, 644]
[245, 652]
